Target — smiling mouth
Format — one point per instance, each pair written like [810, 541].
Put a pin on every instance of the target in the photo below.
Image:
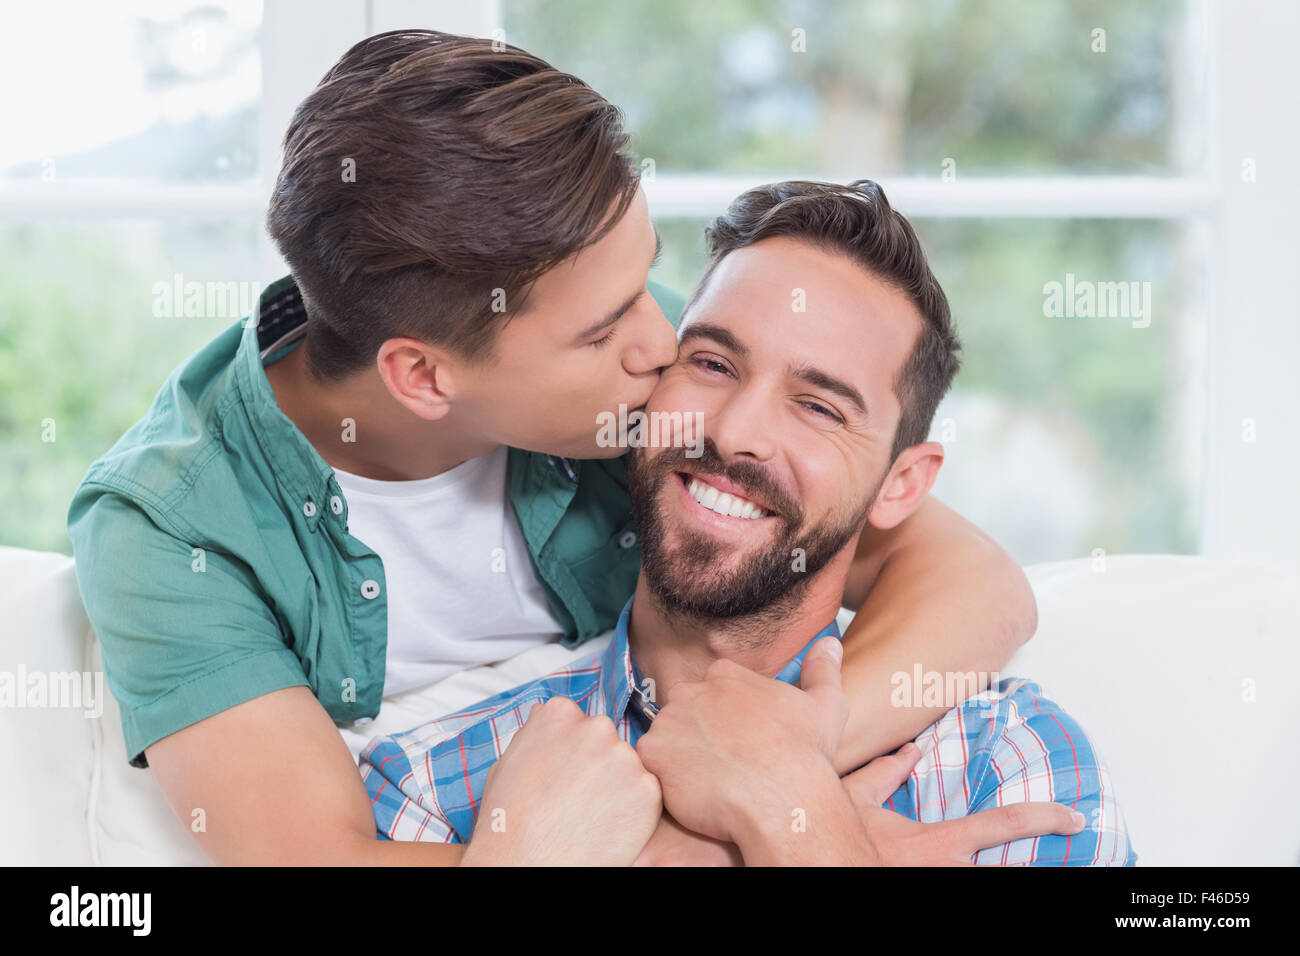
[726, 504]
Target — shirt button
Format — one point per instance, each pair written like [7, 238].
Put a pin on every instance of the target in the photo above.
[336, 505]
[370, 589]
[309, 508]
[363, 722]
[627, 539]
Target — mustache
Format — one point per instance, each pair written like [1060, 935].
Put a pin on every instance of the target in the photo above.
[749, 476]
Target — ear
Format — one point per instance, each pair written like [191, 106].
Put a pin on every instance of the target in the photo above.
[418, 375]
[908, 482]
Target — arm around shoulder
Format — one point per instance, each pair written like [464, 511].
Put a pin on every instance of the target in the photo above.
[934, 592]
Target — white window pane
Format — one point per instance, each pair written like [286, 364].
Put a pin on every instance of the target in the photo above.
[140, 89]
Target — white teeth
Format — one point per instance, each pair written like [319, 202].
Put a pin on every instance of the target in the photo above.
[722, 502]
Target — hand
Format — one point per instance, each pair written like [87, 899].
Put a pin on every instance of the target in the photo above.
[899, 841]
[566, 792]
[674, 845]
[737, 743]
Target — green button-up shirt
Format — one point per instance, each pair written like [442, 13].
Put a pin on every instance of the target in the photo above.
[215, 564]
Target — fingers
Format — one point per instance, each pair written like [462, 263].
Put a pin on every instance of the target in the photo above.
[1016, 821]
[820, 673]
[873, 784]
[556, 708]
[820, 678]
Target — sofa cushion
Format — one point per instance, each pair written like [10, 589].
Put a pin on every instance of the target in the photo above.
[47, 751]
[1181, 670]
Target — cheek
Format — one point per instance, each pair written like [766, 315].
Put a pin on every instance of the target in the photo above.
[676, 393]
[545, 375]
[833, 477]
[593, 380]
[534, 389]
[573, 391]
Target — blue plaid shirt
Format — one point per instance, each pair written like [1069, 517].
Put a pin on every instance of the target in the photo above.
[1007, 745]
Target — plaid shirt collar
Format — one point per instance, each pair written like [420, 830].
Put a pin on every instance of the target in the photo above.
[622, 684]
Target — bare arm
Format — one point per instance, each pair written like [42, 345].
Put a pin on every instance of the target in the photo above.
[934, 591]
[277, 785]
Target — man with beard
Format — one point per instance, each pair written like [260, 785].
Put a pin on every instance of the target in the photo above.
[802, 350]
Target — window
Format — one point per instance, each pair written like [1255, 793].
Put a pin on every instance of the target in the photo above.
[1031, 144]
[128, 165]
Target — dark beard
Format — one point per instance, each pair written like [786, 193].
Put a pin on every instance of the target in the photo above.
[686, 582]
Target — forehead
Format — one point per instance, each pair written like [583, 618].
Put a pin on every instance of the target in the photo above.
[788, 301]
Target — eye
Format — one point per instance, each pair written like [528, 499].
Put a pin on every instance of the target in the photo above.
[823, 411]
[706, 362]
[603, 340]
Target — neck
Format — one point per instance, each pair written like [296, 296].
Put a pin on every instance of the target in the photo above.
[385, 440]
[668, 647]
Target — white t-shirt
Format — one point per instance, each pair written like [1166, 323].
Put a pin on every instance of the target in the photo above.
[461, 587]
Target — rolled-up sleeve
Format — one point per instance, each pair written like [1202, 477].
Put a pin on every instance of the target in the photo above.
[185, 632]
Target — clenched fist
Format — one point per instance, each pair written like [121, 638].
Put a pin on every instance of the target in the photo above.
[566, 792]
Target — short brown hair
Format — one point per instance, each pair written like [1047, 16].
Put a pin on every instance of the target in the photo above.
[857, 221]
[476, 170]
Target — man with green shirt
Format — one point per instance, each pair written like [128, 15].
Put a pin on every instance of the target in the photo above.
[407, 427]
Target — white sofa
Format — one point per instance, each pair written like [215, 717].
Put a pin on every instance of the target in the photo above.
[1183, 670]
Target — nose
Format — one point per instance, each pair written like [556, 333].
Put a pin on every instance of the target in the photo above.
[654, 342]
[738, 425]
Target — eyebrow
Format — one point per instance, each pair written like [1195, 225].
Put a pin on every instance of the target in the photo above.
[800, 371]
[602, 324]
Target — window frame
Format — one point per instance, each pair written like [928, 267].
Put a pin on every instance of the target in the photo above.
[1247, 506]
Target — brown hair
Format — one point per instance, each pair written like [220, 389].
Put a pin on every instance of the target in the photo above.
[857, 221]
[476, 170]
